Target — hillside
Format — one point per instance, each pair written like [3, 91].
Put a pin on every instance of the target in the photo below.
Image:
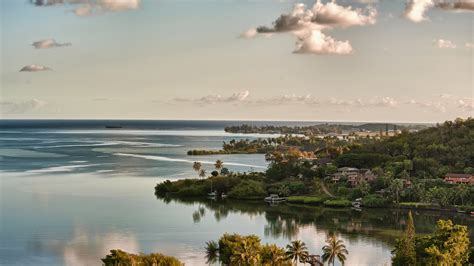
[432, 152]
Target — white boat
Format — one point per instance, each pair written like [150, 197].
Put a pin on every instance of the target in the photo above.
[274, 198]
[212, 194]
[357, 203]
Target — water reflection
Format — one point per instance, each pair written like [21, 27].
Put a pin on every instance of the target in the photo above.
[84, 247]
[286, 220]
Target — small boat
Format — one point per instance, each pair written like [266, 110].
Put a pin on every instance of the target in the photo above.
[274, 198]
[357, 203]
[223, 196]
[212, 194]
[472, 213]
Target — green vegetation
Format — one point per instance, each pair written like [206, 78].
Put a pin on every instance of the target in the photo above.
[338, 203]
[449, 245]
[235, 249]
[333, 249]
[121, 258]
[429, 153]
[316, 129]
[310, 200]
[406, 170]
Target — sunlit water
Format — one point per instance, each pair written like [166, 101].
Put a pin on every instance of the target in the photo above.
[68, 196]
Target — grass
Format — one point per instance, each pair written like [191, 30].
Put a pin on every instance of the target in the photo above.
[310, 200]
[337, 203]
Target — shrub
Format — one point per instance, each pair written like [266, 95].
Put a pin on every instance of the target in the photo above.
[310, 200]
[192, 191]
[343, 191]
[248, 189]
[337, 203]
[373, 201]
[119, 257]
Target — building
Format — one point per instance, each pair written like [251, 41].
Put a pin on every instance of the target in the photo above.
[453, 178]
[353, 175]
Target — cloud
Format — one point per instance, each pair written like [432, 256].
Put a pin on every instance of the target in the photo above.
[308, 24]
[89, 7]
[319, 43]
[444, 44]
[469, 45]
[34, 68]
[321, 16]
[456, 5]
[248, 34]
[466, 103]
[235, 98]
[48, 43]
[21, 107]
[415, 9]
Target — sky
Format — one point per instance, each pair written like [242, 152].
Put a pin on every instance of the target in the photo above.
[358, 60]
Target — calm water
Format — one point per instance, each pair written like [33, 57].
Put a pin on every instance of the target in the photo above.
[72, 191]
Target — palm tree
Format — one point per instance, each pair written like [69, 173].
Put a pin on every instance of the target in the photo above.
[202, 173]
[334, 249]
[297, 251]
[273, 255]
[218, 165]
[396, 186]
[197, 166]
[245, 254]
[212, 252]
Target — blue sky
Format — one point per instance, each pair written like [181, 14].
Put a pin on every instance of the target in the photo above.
[154, 59]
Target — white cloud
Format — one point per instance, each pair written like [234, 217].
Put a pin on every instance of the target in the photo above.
[444, 44]
[308, 25]
[318, 43]
[321, 16]
[48, 43]
[89, 7]
[456, 5]
[466, 103]
[237, 97]
[469, 45]
[21, 107]
[415, 9]
[248, 34]
[334, 15]
[34, 68]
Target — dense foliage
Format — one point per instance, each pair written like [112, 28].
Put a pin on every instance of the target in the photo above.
[449, 245]
[235, 249]
[429, 153]
[316, 129]
[121, 258]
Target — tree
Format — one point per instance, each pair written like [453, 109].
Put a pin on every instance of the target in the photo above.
[197, 166]
[219, 165]
[396, 186]
[212, 252]
[273, 256]
[462, 192]
[449, 245]
[334, 248]
[297, 251]
[245, 254]
[202, 173]
[225, 171]
[404, 252]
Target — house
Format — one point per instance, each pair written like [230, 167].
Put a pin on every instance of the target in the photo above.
[453, 178]
[354, 175]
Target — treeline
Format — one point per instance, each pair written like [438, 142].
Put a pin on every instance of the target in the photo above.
[320, 129]
[429, 153]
